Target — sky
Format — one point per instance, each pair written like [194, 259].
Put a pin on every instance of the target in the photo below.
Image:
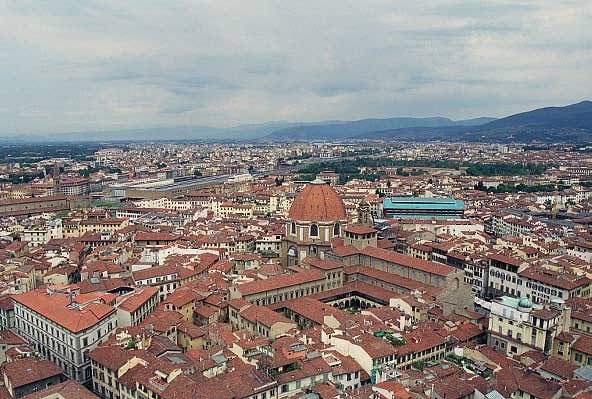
[74, 65]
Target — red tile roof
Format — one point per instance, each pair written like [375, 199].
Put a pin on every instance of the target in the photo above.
[264, 315]
[112, 357]
[390, 278]
[325, 264]
[56, 308]
[157, 271]
[155, 236]
[408, 261]
[67, 390]
[360, 230]
[280, 281]
[317, 202]
[567, 281]
[28, 370]
[583, 344]
[135, 300]
[559, 367]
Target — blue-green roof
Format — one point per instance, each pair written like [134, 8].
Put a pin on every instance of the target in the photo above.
[514, 302]
[417, 203]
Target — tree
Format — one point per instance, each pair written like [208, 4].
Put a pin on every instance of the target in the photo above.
[480, 186]
[196, 172]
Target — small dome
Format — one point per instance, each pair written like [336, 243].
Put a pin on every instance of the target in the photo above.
[317, 202]
[525, 303]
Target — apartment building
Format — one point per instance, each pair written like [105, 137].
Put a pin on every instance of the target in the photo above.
[258, 319]
[166, 278]
[134, 307]
[518, 325]
[544, 284]
[64, 327]
[74, 186]
[503, 276]
[40, 235]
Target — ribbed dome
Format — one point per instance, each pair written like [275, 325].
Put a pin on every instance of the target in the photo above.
[317, 202]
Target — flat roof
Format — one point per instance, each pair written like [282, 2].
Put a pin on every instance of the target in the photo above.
[513, 302]
[420, 203]
[161, 185]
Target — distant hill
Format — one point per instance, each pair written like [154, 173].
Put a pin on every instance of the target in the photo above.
[569, 124]
[269, 131]
[349, 129]
[572, 123]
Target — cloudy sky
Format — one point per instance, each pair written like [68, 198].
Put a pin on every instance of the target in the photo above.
[68, 65]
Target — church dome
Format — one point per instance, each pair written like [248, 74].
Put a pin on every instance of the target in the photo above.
[318, 202]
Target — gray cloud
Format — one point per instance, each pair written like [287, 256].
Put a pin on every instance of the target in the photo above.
[73, 65]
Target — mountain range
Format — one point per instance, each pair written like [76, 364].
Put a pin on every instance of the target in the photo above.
[568, 124]
[354, 129]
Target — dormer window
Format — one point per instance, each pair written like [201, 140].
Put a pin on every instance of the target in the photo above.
[314, 230]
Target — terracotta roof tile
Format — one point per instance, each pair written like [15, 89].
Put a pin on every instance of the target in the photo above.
[280, 281]
[66, 390]
[56, 308]
[28, 370]
[317, 202]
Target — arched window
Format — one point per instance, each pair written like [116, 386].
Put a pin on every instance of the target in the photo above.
[314, 230]
[336, 229]
[293, 228]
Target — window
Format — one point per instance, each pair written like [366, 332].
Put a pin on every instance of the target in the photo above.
[314, 230]
[293, 228]
[578, 357]
[336, 229]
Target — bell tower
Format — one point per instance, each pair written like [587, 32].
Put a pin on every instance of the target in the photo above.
[364, 214]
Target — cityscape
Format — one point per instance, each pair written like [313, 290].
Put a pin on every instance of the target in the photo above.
[301, 270]
[309, 200]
